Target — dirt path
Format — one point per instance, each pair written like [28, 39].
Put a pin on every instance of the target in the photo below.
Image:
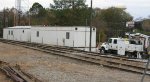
[53, 68]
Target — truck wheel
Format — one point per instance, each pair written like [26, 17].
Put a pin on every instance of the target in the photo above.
[129, 55]
[102, 51]
[144, 56]
[139, 55]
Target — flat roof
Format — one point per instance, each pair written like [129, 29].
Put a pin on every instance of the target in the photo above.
[20, 27]
[50, 27]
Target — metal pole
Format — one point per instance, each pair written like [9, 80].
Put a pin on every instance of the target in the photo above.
[14, 19]
[4, 19]
[142, 80]
[19, 12]
[85, 33]
[29, 13]
[91, 26]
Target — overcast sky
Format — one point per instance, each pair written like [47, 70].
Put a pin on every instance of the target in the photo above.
[137, 8]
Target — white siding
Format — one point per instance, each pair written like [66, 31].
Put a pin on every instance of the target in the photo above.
[82, 38]
[16, 33]
[52, 35]
[79, 37]
[57, 36]
[5, 33]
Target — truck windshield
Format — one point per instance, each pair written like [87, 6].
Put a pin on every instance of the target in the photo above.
[109, 40]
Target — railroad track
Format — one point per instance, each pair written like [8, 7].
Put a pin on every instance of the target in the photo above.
[121, 63]
[16, 74]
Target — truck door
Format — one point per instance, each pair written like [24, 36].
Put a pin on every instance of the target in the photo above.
[115, 44]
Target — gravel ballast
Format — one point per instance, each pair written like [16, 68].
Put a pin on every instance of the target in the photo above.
[53, 68]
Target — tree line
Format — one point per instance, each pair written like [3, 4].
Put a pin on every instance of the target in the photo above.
[109, 22]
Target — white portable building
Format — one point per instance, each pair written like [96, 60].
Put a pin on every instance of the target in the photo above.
[73, 36]
[18, 33]
[77, 37]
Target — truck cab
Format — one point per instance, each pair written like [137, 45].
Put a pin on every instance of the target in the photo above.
[111, 45]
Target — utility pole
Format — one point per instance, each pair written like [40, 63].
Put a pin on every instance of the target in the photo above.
[14, 19]
[91, 25]
[148, 62]
[19, 17]
[4, 19]
[29, 19]
[146, 68]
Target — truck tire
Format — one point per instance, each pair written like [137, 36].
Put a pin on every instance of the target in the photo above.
[139, 55]
[145, 56]
[128, 54]
[102, 51]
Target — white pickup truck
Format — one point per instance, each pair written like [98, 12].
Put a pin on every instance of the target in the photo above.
[124, 47]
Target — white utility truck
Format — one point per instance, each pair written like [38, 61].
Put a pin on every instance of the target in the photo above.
[123, 47]
[134, 46]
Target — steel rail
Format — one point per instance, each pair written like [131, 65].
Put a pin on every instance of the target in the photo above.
[67, 48]
[112, 62]
[16, 74]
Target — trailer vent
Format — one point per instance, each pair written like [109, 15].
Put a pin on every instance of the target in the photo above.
[76, 28]
[94, 29]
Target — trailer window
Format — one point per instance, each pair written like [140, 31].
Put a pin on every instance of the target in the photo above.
[37, 33]
[67, 35]
[23, 31]
[11, 32]
[115, 41]
[110, 41]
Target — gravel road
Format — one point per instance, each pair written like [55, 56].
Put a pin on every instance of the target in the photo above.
[53, 68]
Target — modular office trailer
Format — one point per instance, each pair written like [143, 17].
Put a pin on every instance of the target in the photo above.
[18, 33]
[77, 37]
[64, 36]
